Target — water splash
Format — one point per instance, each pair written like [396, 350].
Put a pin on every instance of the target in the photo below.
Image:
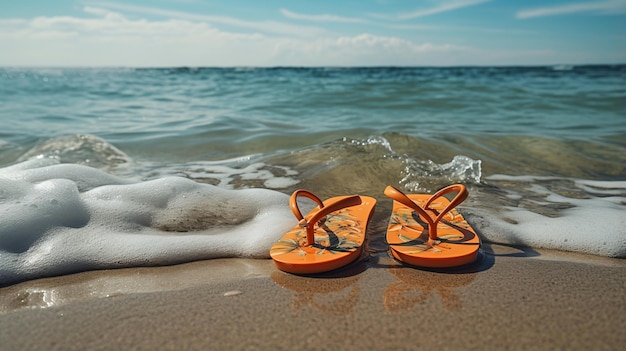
[372, 140]
[461, 169]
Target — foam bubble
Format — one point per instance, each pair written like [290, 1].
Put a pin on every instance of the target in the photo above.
[231, 174]
[556, 213]
[64, 218]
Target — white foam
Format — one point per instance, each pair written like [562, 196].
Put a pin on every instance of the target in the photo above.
[587, 223]
[64, 218]
[228, 176]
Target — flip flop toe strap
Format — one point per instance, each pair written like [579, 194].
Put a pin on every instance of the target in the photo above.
[321, 212]
[457, 200]
[399, 196]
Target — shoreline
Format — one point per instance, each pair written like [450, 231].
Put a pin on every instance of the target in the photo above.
[514, 298]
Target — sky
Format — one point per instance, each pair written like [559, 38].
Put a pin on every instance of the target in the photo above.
[199, 33]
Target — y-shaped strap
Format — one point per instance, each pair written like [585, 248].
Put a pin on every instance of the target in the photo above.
[318, 214]
[432, 220]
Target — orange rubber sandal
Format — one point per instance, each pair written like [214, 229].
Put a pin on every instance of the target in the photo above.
[426, 231]
[329, 237]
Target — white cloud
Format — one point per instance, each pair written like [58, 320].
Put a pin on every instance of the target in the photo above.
[321, 18]
[600, 7]
[363, 50]
[271, 27]
[111, 24]
[109, 38]
[441, 7]
[112, 39]
[96, 11]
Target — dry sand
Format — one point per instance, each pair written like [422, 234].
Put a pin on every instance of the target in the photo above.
[513, 299]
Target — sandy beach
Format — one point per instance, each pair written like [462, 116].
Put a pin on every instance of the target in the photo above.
[514, 298]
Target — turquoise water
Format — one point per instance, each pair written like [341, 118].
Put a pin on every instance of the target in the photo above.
[134, 106]
[542, 149]
[517, 120]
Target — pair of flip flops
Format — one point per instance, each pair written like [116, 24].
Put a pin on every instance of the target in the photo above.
[424, 231]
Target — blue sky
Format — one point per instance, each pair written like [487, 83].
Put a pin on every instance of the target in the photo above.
[311, 33]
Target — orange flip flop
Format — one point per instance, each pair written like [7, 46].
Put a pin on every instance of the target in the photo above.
[426, 231]
[329, 237]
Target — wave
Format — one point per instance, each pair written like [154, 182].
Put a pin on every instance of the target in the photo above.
[78, 203]
[559, 213]
[66, 218]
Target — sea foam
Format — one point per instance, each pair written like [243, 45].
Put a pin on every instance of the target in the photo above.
[557, 213]
[64, 218]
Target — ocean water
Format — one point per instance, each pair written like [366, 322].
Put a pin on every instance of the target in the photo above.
[118, 167]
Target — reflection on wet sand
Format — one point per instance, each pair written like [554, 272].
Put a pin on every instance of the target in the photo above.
[335, 296]
[415, 286]
[58, 291]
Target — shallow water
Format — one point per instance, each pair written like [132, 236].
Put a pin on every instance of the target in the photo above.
[541, 150]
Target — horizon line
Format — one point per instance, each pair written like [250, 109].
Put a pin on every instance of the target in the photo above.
[322, 66]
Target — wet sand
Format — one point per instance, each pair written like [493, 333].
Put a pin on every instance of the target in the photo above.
[513, 298]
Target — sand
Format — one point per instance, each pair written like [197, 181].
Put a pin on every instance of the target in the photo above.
[514, 298]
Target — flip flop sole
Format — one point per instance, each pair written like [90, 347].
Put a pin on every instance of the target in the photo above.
[407, 236]
[338, 241]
